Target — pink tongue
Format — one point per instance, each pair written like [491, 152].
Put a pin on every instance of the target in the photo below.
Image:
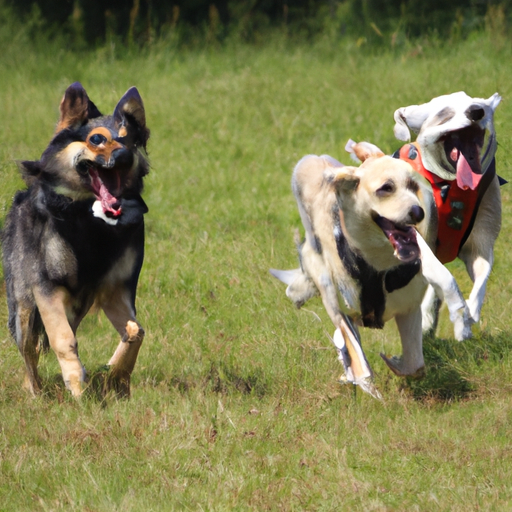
[466, 178]
[107, 200]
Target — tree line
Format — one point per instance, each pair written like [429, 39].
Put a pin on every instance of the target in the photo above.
[140, 21]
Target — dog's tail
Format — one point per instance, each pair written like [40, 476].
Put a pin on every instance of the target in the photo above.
[301, 287]
[36, 327]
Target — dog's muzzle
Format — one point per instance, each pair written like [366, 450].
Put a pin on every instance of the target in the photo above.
[402, 237]
[108, 179]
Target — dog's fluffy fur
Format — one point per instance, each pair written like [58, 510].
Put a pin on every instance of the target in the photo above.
[367, 253]
[76, 237]
[457, 141]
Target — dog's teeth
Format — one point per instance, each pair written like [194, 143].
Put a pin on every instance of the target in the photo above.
[454, 154]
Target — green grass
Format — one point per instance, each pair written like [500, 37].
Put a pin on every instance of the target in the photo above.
[235, 404]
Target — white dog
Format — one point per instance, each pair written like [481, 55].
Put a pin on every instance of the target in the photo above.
[366, 252]
[454, 150]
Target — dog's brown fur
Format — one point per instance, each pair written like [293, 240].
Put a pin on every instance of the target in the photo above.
[76, 237]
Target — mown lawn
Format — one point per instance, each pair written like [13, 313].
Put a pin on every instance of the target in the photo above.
[235, 402]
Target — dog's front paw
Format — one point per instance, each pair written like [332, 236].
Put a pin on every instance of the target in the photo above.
[396, 365]
[74, 380]
[366, 384]
[462, 325]
[462, 331]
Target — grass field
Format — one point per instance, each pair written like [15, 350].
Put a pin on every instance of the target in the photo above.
[235, 402]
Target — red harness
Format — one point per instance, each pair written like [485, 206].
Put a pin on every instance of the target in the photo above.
[456, 208]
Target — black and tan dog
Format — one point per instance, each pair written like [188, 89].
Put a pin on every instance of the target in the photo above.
[76, 237]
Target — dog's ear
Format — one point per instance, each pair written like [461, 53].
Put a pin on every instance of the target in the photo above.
[494, 101]
[411, 118]
[401, 130]
[130, 112]
[30, 171]
[360, 151]
[76, 108]
[344, 179]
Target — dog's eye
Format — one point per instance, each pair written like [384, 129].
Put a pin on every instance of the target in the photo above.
[97, 139]
[386, 189]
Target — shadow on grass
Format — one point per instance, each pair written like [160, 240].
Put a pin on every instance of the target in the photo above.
[450, 364]
[223, 378]
[452, 371]
[97, 388]
[219, 378]
[101, 387]
[54, 389]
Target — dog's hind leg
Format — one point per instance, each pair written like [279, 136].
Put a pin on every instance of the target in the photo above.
[54, 307]
[430, 307]
[26, 334]
[118, 307]
[479, 269]
[478, 251]
[411, 363]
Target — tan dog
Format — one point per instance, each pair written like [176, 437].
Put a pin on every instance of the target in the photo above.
[366, 252]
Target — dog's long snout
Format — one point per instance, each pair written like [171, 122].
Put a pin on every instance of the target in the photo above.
[416, 214]
[120, 157]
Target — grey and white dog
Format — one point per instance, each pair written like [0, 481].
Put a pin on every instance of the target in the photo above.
[457, 143]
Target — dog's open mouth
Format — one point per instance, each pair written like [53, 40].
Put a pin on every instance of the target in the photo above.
[401, 237]
[110, 204]
[463, 148]
[466, 178]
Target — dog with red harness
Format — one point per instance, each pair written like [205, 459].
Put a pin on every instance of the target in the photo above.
[455, 151]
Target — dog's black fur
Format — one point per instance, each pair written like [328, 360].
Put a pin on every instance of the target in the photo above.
[60, 256]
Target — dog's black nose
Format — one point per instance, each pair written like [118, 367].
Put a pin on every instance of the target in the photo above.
[122, 157]
[416, 214]
[475, 113]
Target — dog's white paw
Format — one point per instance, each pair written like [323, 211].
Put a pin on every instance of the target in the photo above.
[365, 379]
[462, 322]
[368, 386]
[474, 309]
[462, 330]
[396, 365]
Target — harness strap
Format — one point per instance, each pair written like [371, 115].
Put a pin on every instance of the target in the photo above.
[482, 189]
